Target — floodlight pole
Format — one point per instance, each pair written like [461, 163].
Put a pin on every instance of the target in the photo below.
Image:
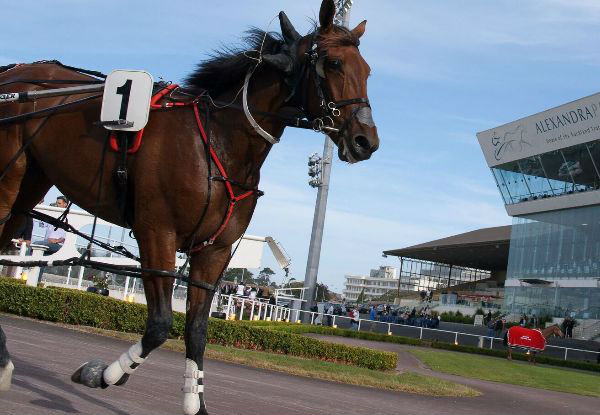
[314, 251]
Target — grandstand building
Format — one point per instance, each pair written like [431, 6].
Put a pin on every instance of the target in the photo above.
[378, 282]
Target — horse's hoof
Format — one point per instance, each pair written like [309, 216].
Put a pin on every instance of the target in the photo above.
[90, 374]
[6, 376]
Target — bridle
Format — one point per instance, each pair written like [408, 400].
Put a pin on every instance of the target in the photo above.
[330, 109]
[313, 65]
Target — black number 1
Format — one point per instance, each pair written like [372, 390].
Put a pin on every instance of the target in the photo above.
[124, 90]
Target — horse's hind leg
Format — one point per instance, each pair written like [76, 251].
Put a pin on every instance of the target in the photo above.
[205, 266]
[158, 252]
[6, 366]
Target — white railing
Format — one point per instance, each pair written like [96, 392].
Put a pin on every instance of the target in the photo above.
[236, 307]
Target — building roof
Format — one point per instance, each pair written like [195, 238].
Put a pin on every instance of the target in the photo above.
[485, 248]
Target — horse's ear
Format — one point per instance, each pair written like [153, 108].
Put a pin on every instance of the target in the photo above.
[280, 61]
[290, 35]
[359, 30]
[326, 14]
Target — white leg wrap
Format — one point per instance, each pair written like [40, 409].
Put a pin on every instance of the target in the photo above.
[191, 389]
[6, 376]
[118, 368]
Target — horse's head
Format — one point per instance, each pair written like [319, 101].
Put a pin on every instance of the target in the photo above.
[328, 80]
[557, 331]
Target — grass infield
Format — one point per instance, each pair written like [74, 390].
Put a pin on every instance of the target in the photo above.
[316, 369]
[515, 373]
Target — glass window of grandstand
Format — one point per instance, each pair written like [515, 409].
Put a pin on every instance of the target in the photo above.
[566, 171]
[556, 245]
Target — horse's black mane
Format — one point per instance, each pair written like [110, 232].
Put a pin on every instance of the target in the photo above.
[7, 67]
[227, 66]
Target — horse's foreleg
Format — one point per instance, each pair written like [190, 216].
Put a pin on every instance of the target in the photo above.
[6, 366]
[158, 291]
[10, 142]
[206, 266]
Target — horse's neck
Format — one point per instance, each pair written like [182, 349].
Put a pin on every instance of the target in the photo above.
[547, 332]
[264, 95]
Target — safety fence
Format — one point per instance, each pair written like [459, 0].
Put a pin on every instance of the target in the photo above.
[244, 308]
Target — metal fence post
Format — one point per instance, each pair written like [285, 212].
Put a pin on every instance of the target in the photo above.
[312, 318]
[389, 328]
[252, 312]
[456, 338]
[566, 350]
[359, 320]
[421, 335]
[333, 322]
[491, 343]
[242, 309]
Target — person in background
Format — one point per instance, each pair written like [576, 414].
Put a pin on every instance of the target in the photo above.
[240, 289]
[330, 311]
[534, 322]
[499, 326]
[55, 237]
[488, 317]
[491, 325]
[355, 318]
[372, 313]
[523, 321]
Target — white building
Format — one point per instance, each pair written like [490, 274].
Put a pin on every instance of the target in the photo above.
[376, 284]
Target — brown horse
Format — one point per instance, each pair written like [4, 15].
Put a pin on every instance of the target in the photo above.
[321, 74]
[553, 330]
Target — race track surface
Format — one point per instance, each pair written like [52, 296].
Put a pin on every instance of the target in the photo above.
[45, 356]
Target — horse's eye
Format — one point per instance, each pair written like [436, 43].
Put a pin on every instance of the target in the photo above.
[334, 63]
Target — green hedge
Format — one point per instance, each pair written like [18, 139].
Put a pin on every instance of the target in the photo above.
[81, 308]
[263, 338]
[457, 317]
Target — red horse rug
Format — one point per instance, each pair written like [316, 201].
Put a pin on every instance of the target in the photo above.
[526, 338]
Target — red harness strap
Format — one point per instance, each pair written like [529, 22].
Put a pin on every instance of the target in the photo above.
[233, 199]
[137, 141]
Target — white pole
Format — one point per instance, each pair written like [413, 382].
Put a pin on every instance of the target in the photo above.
[69, 275]
[126, 288]
[228, 307]
[80, 277]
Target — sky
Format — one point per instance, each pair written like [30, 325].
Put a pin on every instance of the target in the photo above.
[441, 72]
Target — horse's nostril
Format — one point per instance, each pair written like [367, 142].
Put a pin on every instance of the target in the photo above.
[362, 142]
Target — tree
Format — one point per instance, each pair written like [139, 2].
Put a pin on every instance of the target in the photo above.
[240, 273]
[323, 293]
[264, 277]
[361, 297]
